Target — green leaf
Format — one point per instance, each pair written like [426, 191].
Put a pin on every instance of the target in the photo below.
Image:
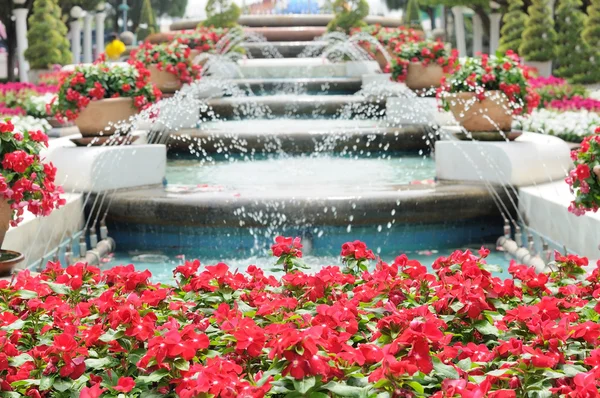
[302, 386]
[111, 335]
[443, 370]
[27, 294]
[153, 377]
[573, 370]
[497, 372]
[182, 364]
[416, 386]
[10, 394]
[16, 325]
[46, 383]
[20, 360]
[62, 385]
[99, 363]
[484, 327]
[59, 288]
[465, 364]
[343, 390]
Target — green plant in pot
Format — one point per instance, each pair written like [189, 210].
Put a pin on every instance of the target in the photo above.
[485, 92]
[538, 45]
[47, 37]
[513, 25]
[222, 14]
[591, 31]
[26, 183]
[348, 14]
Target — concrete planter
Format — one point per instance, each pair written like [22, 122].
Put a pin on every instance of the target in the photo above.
[99, 117]
[165, 81]
[420, 77]
[493, 114]
[544, 68]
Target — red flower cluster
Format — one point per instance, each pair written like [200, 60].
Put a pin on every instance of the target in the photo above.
[26, 182]
[99, 81]
[172, 57]
[396, 330]
[424, 52]
[584, 178]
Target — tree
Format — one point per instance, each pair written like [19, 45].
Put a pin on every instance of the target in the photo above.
[412, 14]
[539, 37]
[514, 24]
[147, 23]
[47, 36]
[348, 14]
[222, 14]
[591, 31]
[574, 56]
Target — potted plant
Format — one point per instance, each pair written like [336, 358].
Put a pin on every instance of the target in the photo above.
[513, 25]
[201, 40]
[169, 64]
[97, 96]
[47, 37]
[539, 38]
[484, 93]
[26, 183]
[421, 65]
[388, 39]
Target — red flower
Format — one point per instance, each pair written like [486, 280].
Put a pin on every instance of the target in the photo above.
[582, 171]
[91, 392]
[125, 384]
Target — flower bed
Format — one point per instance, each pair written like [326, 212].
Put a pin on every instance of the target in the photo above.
[17, 96]
[575, 103]
[570, 126]
[395, 331]
[583, 179]
[554, 88]
[30, 123]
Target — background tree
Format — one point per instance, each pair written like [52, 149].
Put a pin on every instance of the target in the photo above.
[591, 32]
[348, 14]
[47, 36]
[412, 15]
[222, 14]
[147, 23]
[574, 57]
[514, 24]
[539, 37]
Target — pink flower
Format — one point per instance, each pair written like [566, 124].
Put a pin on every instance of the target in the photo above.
[17, 161]
[125, 384]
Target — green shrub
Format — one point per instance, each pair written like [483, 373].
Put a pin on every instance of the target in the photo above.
[591, 31]
[539, 37]
[574, 56]
[222, 14]
[47, 36]
[147, 24]
[514, 24]
[348, 14]
[412, 15]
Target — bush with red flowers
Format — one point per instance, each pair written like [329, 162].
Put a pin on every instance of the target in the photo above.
[389, 38]
[171, 57]
[99, 81]
[584, 179]
[25, 181]
[426, 53]
[395, 330]
[202, 39]
[489, 73]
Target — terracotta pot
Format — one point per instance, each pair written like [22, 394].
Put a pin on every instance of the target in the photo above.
[165, 81]
[5, 217]
[8, 260]
[491, 114]
[99, 115]
[419, 77]
[381, 60]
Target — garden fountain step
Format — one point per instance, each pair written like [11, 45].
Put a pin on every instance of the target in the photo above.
[270, 106]
[318, 85]
[287, 49]
[301, 205]
[299, 136]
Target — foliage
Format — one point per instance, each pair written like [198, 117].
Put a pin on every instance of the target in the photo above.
[512, 29]
[452, 3]
[412, 15]
[25, 181]
[555, 89]
[591, 31]
[576, 61]
[487, 73]
[424, 52]
[348, 14]
[48, 44]
[584, 179]
[99, 81]
[539, 37]
[395, 330]
[222, 14]
[147, 22]
[172, 57]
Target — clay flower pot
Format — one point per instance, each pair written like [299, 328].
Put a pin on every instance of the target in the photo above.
[100, 114]
[381, 60]
[8, 259]
[165, 81]
[493, 114]
[419, 77]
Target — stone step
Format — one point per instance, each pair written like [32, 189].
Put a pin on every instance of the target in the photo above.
[287, 49]
[315, 85]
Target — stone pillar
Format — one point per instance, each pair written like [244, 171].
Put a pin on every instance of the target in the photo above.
[477, 35]
[495, 31]
[100, 17]
[76, 40]
[87, 37]
[20, 15]
[459, 26]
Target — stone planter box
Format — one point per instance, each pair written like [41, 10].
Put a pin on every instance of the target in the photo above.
[100, 117]
[544, 68]
[491, 114]
[420, 77]
[165, 81]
